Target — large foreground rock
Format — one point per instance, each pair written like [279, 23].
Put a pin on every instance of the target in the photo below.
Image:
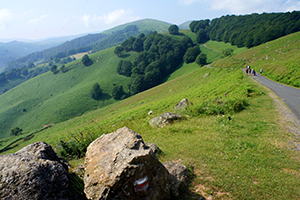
[120, 166]
[34, 172]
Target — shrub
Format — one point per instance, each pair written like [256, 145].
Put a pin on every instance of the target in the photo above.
[219, 107]
[96, 91]
[16, 131]
[76, 147]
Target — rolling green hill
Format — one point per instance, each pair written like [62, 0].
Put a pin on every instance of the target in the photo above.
[143, 25]
[278, 59]
[51, 98]
[238, 154]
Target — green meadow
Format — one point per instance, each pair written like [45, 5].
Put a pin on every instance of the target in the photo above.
[238, 154]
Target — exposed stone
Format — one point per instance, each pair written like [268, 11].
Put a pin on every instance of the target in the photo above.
[150, 112]
[153, 147]
[178, 174]
[34, 172]
[182, 105]
[164, 119]
[120, 166]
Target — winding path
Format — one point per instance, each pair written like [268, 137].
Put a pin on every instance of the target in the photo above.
[289, 95]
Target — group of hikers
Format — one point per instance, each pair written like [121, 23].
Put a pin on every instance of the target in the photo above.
[252, 71]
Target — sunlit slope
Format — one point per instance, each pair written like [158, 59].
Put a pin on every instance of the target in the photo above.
[143, 25]
[279, 59]
[53, 98]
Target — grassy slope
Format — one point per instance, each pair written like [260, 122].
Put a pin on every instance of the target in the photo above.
[144, 24]
[53, 98]
[242, 158]
[279, 59]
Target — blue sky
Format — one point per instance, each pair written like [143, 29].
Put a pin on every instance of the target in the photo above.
[39, 19]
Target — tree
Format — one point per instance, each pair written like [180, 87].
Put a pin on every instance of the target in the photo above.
[54, 69]
[2, 77]
[173, 30]
[119, 51]
[137, 84]
[191, 54]
[96, 91]
[86, 60]
[201, 59]
[227, 52]
[117, 92]
[16, 131]
[63, 69]
[124, 68]
[138, 45]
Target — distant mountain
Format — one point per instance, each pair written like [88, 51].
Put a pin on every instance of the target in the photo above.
[93, 42]
[185, 25]
[14, 50]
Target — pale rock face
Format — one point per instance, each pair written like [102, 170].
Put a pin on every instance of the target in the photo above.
[120, 166]
[164, 119]
[34, 172]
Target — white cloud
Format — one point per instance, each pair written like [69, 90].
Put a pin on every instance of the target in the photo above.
[5, 17]
[249, 6]
[114, 17]
[187, 2]
[36, 20]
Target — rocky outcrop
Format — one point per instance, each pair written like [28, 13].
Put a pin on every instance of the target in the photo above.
[165, 119]
[178, 174]
[34, 172]
[154, 148]
[120, 166]
[182, 105]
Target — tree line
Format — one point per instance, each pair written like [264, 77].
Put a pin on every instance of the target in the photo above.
[247, 30]
[158, 56]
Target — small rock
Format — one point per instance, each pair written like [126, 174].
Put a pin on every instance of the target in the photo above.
[164, 119]
[154, 148]
[182, 105]
[178, 174]
[150, 112]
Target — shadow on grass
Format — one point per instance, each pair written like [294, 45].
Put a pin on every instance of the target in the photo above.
[125, 55]
[186, 191]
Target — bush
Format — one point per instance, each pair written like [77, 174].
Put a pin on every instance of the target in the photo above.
[220, 107]
[86, 60]
[96, 91]
[76, 147]
[16, 131]
[117, 92]
[191, 54]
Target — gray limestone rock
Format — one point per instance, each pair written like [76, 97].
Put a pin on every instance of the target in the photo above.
[34, 172]
[164, 119]
[120, 166]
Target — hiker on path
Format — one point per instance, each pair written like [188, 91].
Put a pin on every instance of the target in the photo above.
[260, 71]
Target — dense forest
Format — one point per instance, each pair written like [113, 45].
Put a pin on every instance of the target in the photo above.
[247, 30]
[158, 56]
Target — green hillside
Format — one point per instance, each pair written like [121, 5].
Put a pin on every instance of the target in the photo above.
[239, 154]
[51, 98]
[143, 25]
[279, 59]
